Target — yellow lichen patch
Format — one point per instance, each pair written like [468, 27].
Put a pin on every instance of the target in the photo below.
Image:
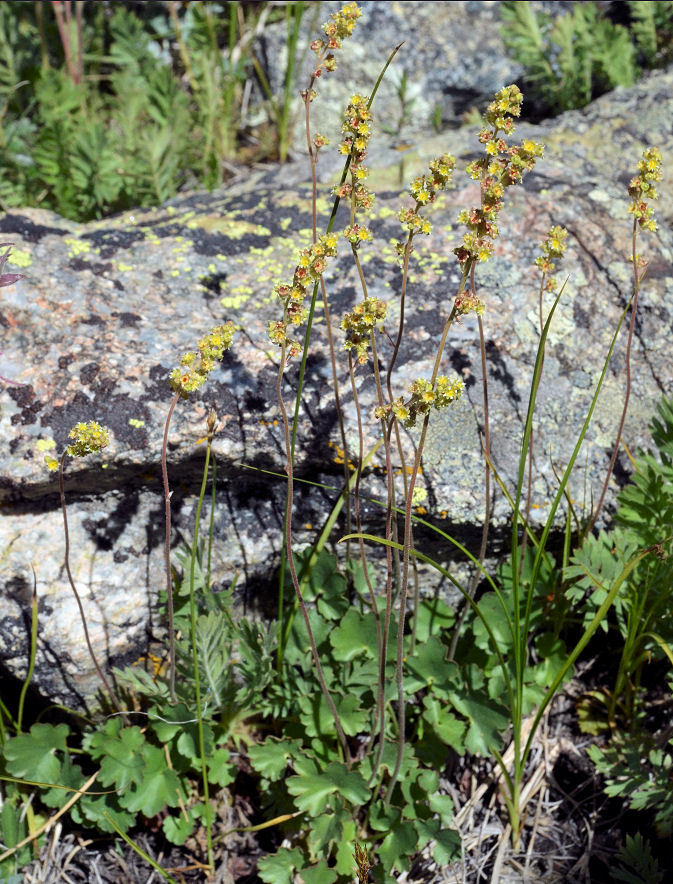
[230, 227]
[19, 258]
[233, 302]
[285, 223]
[384, 212]
[134, 422]
[388, 253]
[124, 268]
[45, 444]
[77, 247]
[175, 273]
[419, 495]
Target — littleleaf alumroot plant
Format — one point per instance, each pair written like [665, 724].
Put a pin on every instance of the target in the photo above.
[363, 688]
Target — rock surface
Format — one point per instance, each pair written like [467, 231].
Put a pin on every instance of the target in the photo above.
[107, 309]
[442, 62]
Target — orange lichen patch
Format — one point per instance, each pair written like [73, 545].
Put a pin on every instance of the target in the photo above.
[340, 456]
[158, 664]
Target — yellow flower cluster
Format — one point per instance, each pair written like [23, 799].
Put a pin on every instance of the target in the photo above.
[554, 246]
[356, 234]
[642, 189]
[195, 367]
[359, 323]
[424, 397]
[87, 439]
[506, 104]
[424, 190]
[467, 302]
[310, 267]
[339, 26]
[500, 168]
[357, 131]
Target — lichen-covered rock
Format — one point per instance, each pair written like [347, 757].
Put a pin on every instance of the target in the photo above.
[453, 59]
[107, 309]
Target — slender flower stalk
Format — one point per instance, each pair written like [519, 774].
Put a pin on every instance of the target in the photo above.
[424, 190]
[551, 250]
[310, 267]
[502, 167]
[642, 189]
[192, 373]
[87, 438]
[338, 27]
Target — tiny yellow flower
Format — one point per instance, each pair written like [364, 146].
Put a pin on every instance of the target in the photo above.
[87, 439]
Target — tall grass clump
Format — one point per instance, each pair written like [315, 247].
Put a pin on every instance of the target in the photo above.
[347, 706]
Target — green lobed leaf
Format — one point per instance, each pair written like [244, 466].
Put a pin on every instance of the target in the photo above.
[270, 758]
[188, 741]
[278, 868]
[487, 721]
[442, 805]
[326, 830]
[178, 828]
[447, 847]
[123, 761]
[158, 788]
[354, 719]
[312, 791]
[345, 864]
[444, 723]
[220, 769]
[91, 810]
[433, 618]
[428, 667]
[33, 756]
[355, 635]
[398, 846]
[318, 874]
